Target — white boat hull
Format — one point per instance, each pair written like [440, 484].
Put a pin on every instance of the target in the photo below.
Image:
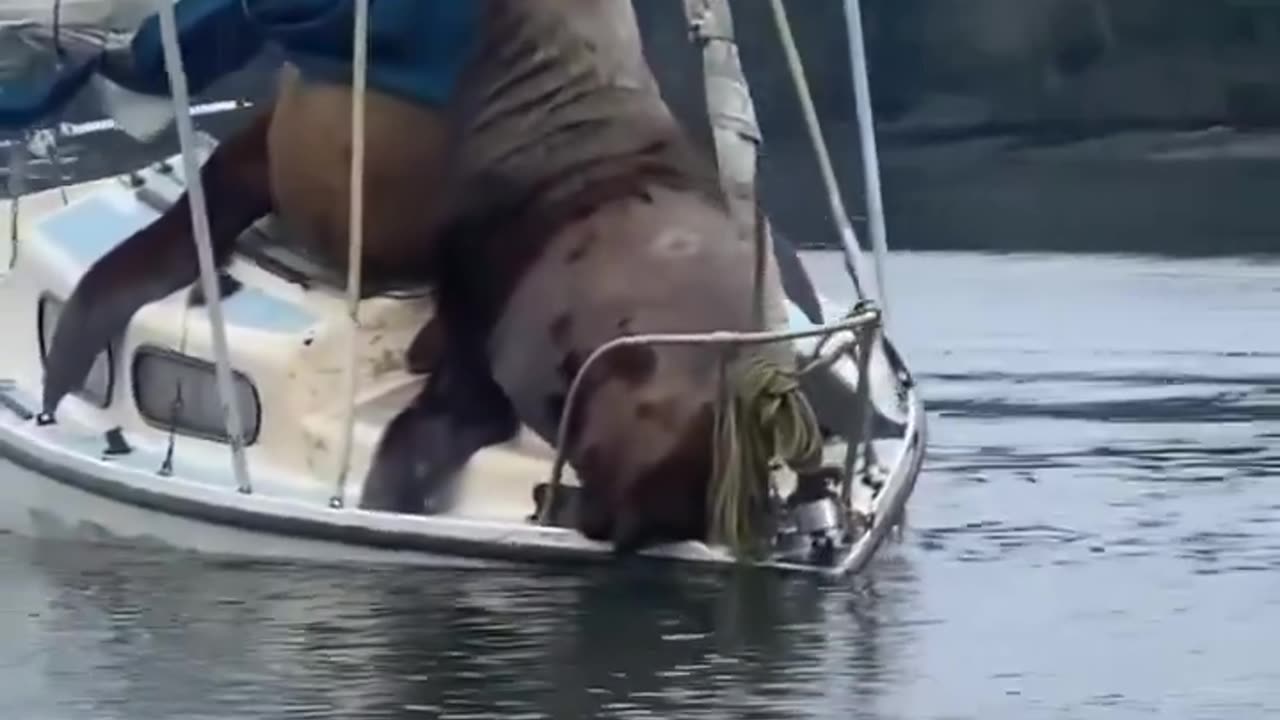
[61, 494]
[39, 506]
[63, 484]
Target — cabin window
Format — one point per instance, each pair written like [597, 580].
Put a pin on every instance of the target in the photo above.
[163, 377]
[99, 383]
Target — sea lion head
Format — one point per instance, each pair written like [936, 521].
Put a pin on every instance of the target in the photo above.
[641, 444]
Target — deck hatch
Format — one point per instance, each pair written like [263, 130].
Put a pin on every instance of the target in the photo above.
[159, 373]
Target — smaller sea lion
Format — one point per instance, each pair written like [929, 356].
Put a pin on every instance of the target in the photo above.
[294, 160]
[459, 411]
[158, 259]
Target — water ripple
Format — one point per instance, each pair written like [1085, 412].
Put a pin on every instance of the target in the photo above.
[1095, 534]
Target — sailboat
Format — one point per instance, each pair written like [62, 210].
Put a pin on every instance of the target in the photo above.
[145, 452]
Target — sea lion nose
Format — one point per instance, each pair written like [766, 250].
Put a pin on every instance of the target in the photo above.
[595, 514]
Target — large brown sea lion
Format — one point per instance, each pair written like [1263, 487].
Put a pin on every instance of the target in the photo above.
[584, 213]
[578, 211]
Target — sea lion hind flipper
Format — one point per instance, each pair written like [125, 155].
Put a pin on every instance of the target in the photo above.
[157, 260]
[460, 411]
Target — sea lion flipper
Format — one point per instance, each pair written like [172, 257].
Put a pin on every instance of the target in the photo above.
[158, 259]
[426, 349]
[460, 411]
[631, 532]
[796, 282]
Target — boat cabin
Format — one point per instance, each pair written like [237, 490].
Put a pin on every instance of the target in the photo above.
[286, 327]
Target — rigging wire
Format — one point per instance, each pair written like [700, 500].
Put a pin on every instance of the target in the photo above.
[204, 248]
[849, 239]
[359, 80]
[17, 188]
[59, 51]
[166, 466]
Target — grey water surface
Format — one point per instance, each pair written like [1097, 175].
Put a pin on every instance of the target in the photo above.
[1096, 535]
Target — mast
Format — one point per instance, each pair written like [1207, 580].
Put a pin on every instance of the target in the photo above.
[737, 137]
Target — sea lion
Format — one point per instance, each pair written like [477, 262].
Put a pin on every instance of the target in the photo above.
[583, 213]
[158, 259]
[291, 159]
[562, 134]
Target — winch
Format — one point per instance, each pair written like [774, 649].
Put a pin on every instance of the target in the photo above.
[813, 524]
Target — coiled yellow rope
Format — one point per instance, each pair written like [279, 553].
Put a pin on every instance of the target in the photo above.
[761, 415]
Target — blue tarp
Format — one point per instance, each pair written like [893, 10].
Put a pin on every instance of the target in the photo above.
[42, 68]
[36, 96]
[417, 50]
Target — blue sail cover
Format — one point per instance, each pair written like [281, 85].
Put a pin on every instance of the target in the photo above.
[417, 51]
[38, 74]
[37, 95]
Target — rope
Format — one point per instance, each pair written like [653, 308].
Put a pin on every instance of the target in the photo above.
[760, 227]
[17, 187]
[762, 415]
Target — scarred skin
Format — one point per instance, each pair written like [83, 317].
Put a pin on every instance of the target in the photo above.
[290, 160]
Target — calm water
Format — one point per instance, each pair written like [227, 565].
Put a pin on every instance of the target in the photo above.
[1097, 534]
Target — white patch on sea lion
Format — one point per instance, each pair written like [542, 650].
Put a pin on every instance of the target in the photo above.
[676, 242]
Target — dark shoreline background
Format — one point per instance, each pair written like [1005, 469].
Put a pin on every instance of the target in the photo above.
[1004, 125]
[1014, 125]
